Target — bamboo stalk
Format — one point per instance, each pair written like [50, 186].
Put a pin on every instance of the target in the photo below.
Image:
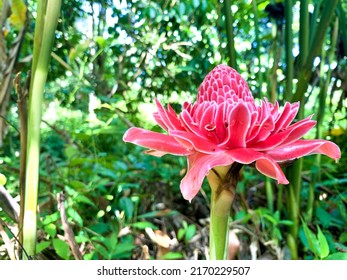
[229, 21]
[321, 109]
[315, 46]
[46, 22]
[294, 172]
[289, 49]
[257, 48]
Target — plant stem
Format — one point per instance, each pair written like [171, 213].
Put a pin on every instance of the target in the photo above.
[315, 46]
[257, 48]
[223, 181]
[269, 194]
[230, 34]
[46, 22]
[289, 48]
[324, 87]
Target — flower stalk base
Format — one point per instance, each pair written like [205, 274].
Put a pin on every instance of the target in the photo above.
[223, 182]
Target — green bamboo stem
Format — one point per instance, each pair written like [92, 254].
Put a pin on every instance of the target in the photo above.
[289, 49]
[46, 22]
[304, 32]
[324, 87]
[223, 181]
[315, 46]
[257, 48]
[229, 21]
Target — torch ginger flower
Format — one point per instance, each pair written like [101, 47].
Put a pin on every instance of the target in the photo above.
[225, 126]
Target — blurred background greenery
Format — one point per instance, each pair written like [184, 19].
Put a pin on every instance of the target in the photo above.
[110, 60]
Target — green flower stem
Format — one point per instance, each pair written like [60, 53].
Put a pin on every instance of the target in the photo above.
[269, 195]
[223, 181]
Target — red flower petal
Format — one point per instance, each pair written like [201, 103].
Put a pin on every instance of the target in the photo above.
[238, 124]
[155, 141]
[302, 148]
[287, 116]
[289, 135]
[200, 144]
[198, 166]
[264, 163]
[166, 119]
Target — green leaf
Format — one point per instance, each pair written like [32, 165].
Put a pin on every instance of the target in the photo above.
[311, 239]
[270, 218]
[343, 237]
[123, 251]
[51, 218]
[42, 245]
[143, 225]
[101, 250]
[72, 213]
[100, 228]
[127, 206]
[51, 229]
[61, 248]
[77, 185]
[83, 199]
[324, 217]
[337, 256]
[323, 243]
[181, 232]
[190, 232]
[173, 256]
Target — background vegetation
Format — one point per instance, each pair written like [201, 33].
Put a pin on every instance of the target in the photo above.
[102, 199]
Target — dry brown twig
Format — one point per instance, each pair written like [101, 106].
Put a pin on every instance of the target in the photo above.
[68, 233]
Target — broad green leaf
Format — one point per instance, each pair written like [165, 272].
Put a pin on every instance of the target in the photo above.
[51, 218]
[42, 245]
[323, 243]
[311, 239]
[77, 185]
[51, 229]
[83, 199]
[100, 228]
[61, 248]
[123, 250]
[190, 232]
[337, 256]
